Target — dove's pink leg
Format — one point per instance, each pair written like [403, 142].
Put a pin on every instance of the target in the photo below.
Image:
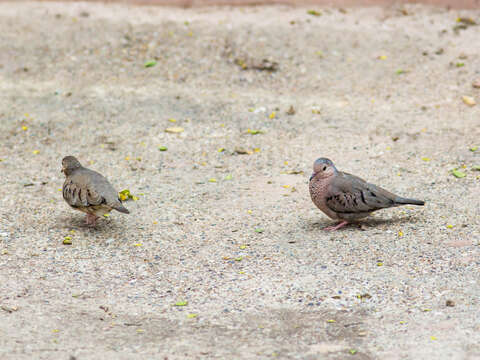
[91, 219]
[336, 227]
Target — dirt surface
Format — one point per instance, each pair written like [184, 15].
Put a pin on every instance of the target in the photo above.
[455, 4]
[236, 236]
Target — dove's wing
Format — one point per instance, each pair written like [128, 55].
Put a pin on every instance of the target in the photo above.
[80, 191]
[350, 194]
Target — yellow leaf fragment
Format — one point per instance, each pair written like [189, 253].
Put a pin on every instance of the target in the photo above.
[426, 159]
[468, 100]
[126, 195]
[331, 321]
[138, 244]
[174, 130]
[24, 128]
[449, 226]
[212, 180]
[36, 152]
[400, 233]
[382, 57]
[272, 115]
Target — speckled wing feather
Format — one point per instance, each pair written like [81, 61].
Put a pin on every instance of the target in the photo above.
[79, 192]
[349, 194]
[85, 188]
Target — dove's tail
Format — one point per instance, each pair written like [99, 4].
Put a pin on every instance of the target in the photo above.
[121, 208]
[404, 201]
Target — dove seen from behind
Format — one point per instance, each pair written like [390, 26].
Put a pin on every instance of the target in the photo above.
[347, 198]
[88, 191]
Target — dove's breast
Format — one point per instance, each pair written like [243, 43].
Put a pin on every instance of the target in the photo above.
[319, 189]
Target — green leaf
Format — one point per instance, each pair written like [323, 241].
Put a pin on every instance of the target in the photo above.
[314, 13]
[162, 148]
[150, 63]
[476, 167]
[229, 177]
[125, 195]
[458, 173]
[460, 64]
[474, 148]
[181, 303]
[353, 351]
[400, 71]
[259, 230]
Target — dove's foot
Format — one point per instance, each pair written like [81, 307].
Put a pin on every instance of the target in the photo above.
[336, 227]
[91, 219]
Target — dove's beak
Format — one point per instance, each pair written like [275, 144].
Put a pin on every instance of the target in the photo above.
[311, 177]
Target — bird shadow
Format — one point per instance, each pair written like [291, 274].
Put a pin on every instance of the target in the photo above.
[78, 223]
[362, 225]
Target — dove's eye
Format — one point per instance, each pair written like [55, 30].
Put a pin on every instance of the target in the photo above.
[324, 168]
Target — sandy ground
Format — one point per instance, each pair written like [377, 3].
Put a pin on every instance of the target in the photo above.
[455, 4]
[236, 236]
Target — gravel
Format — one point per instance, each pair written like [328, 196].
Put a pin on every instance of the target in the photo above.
[379, 91]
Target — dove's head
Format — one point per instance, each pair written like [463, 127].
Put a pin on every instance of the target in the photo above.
[323, 168]
[69, 164]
